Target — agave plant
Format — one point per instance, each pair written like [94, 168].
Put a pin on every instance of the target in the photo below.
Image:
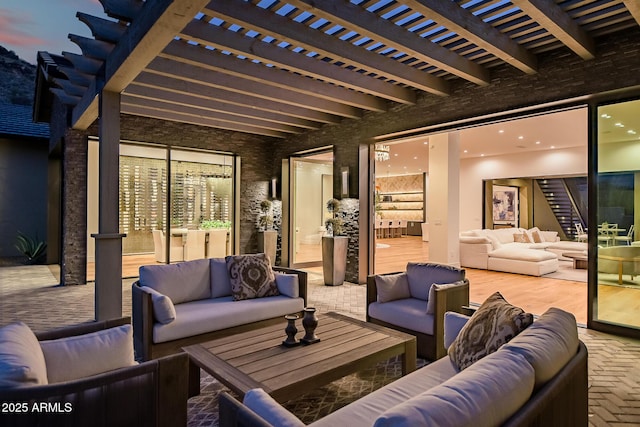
[32, 248]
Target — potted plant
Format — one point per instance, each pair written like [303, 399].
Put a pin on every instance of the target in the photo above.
[334, 247]
[267, 236]
[32, 248]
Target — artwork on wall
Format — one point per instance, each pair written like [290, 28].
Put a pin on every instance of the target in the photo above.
[505, 206]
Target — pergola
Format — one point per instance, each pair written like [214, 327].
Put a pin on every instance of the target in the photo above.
[279, 68]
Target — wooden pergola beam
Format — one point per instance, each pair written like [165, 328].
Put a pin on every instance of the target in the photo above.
[552, 18]
[156, 25]
[633, 6]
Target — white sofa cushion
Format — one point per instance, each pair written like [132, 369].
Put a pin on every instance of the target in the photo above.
[214, 314]
[492, 325]
[182, 282]
[548, 344]
[90, 354]
[288, 284]
[408, 313]
[21, 359]
[532, 255]
[163, 309]
[271, 411]
[220, 284]
[365, 410]
[486, 395]
[391, 287]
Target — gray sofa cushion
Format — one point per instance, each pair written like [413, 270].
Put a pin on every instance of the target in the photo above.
[422, 275]
[365, 410]
[163, 309]
[391, 287]
[485, 395]
[21, 359]
[199, 317]
[182, 282]
[288, 284]
[548, 344]
[220, 284]
[269, 409]
[408, 313]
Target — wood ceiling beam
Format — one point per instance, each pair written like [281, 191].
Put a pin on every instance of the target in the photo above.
[168, 67]
[103, 29]
[211, 35]
[199, 121]
[217, 106]
[282, 28]
[156, 24]
[260, 73]
[633, 6]
[369, 24]
[552, 18]
[474, 29]
[125, 10]
[176, 85]
[196, 112]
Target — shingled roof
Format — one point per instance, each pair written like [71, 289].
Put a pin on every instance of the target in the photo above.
[16, 120]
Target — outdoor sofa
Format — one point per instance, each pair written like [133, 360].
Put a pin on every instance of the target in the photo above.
[86, 375]
[176, 305]
[539, 378]
[407, 301]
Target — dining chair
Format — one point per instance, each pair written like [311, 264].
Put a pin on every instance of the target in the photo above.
[581, 235]
[628, 238]
[604, 233]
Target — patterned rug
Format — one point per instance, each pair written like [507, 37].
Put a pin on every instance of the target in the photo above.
[203, 409]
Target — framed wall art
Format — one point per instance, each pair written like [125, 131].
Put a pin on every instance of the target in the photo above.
[505, 206]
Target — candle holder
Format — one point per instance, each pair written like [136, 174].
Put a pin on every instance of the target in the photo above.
[291, 331]
[309, 322]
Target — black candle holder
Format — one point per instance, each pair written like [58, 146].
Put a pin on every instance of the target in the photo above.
[310, 322]
[291, 331]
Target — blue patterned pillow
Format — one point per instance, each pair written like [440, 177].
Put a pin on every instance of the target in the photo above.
[251, 276]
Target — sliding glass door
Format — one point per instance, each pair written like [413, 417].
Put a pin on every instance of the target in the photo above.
[617, 181]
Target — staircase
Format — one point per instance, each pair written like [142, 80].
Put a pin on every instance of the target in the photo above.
[562, 204]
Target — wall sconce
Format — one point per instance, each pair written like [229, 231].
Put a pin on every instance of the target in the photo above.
[344, 181]
[274, 185]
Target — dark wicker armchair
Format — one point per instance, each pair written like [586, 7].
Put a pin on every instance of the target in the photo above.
[149, 394]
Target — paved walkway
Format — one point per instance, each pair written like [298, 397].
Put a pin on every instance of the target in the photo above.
[30, 294]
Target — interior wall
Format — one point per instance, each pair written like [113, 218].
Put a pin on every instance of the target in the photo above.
[474, 171]
[309, 202]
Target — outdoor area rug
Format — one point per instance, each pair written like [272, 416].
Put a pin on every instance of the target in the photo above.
[310, 406]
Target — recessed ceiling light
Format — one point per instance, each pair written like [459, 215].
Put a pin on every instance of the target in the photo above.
[481, 155]
[415, 158]
[500, 131]
[426, 142]
[553, 146]
[396, 154]
[537, 142]
[465, 151]
[521, 137]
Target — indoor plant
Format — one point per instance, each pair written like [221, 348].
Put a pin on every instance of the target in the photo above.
[334, 247]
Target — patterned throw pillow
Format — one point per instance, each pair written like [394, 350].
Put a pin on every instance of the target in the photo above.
[251, 276]
[493, 324]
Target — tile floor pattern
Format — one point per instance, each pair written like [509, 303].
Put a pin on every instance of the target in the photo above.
[30, 294]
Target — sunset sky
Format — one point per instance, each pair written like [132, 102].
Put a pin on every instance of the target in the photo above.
[27, 26]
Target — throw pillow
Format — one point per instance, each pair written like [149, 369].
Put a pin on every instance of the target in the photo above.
[537, 235]
[251, 276]
[288, 284]
[90, 354]
[520, 238]
[431, 302]
[391, 287]
[21, 360]
[163, 309]
[493, 324]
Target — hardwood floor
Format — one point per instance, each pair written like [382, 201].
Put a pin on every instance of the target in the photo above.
[534, 294]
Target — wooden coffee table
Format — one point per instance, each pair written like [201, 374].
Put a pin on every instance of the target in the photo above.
[258, 359]
[580, 260]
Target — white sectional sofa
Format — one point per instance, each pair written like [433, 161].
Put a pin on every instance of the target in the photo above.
[515, 250]
[539, 378]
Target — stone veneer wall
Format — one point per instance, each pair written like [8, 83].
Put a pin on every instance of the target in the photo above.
[350, 214]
